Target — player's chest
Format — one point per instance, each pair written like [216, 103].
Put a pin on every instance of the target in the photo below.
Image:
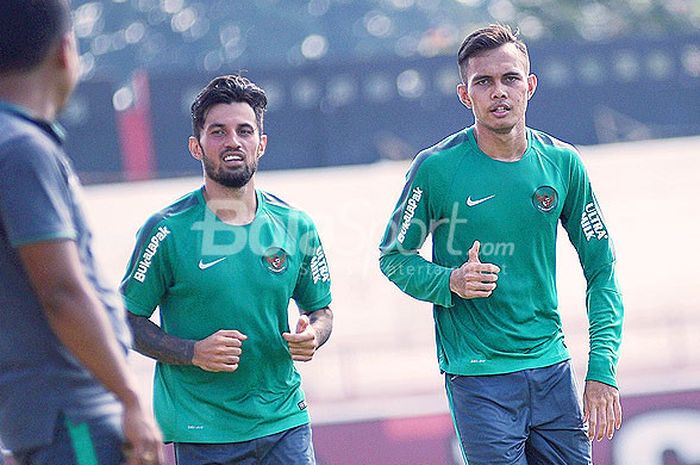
[509, 198]
[265, 258]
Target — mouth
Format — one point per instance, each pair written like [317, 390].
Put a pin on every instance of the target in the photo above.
[233, 157]
[500, 109]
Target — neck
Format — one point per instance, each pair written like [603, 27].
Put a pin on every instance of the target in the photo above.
[29, 90]
[508, 146]
[236, 206]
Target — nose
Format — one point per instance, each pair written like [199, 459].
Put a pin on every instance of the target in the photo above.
[498, 91]
[232, 141]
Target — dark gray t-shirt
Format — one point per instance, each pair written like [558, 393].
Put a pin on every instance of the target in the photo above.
[40, 201]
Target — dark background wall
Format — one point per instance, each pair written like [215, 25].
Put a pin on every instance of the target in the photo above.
[363, 111]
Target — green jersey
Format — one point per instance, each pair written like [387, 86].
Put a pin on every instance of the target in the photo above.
[206, 275]
[457, 193]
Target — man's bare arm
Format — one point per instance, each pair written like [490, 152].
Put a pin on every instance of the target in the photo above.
[220, 351]
[151, 341]
[312, 330]
[81, 323]
[322, 321]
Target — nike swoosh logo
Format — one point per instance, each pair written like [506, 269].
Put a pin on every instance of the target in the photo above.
[204, 266]
[471, 203]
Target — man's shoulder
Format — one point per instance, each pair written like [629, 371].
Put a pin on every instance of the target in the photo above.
[174, 214]
[548, 143]
[442, 150]
[561, 154]
[441, 156]
[279, 207]
[24, 144]
[16, 124]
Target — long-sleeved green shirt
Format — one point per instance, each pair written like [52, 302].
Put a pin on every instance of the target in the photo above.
[459, 194]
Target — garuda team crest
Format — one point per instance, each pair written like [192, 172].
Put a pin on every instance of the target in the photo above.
[275, 260]
[545, 198]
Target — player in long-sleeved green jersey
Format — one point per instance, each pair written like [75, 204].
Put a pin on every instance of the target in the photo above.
[492, 196]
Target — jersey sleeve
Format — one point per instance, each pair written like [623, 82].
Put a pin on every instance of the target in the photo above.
[584, 223]
[405, 234]
[148, 272]
[35, 204]
[313, 286]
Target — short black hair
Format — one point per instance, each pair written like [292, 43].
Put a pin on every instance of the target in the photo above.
[228, 89]
[487, 38]
[28, 30]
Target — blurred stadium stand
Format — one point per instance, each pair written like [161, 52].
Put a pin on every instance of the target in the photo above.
[169, 36]
[357, 81]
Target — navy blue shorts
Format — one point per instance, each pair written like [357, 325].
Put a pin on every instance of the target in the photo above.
[530, 417]
[290, 447]
[95, 442]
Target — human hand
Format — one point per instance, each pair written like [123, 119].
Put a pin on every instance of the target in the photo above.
[144, 443]
[220, 351]
[474, 279]
[302, 344]
[601, 409]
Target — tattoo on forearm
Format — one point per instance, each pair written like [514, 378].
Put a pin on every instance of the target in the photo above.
[151, 341]
[322, 321]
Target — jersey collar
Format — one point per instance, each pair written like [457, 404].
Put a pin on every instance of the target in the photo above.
[54, 129]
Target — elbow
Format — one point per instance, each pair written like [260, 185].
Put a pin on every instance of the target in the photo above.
[385, 264]
[134, 320]
[139, 326]
[63, 298]
[392, 265]
[601, 277]
[323, 315]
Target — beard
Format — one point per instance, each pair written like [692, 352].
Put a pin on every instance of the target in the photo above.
[229, 178]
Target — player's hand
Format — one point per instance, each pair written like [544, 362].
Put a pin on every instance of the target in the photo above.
[144, 443]
[219, 352]
[302, 344]
[601, 409]
[474, 279]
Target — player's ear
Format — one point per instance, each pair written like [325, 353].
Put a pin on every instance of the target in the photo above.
[195, 148]
[65, 58]
[463, 95]
[531, 85]
[261, 146]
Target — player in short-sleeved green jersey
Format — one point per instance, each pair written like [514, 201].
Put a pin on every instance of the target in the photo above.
[243, 279]
[222, 264]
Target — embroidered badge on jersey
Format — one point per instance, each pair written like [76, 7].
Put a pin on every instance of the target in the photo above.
[545, 199]
[275, 260]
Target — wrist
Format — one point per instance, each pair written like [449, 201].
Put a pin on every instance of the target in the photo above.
[452, 280]
[130, 399]
[193, 352]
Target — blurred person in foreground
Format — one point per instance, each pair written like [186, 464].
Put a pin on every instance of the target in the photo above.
[222, 264]
[492, 195]
[66, 393]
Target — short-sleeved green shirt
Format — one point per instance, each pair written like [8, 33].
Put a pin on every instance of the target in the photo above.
[206, 275]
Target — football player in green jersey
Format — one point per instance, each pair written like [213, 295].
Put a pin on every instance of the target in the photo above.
[221, 264]
[492, 196]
